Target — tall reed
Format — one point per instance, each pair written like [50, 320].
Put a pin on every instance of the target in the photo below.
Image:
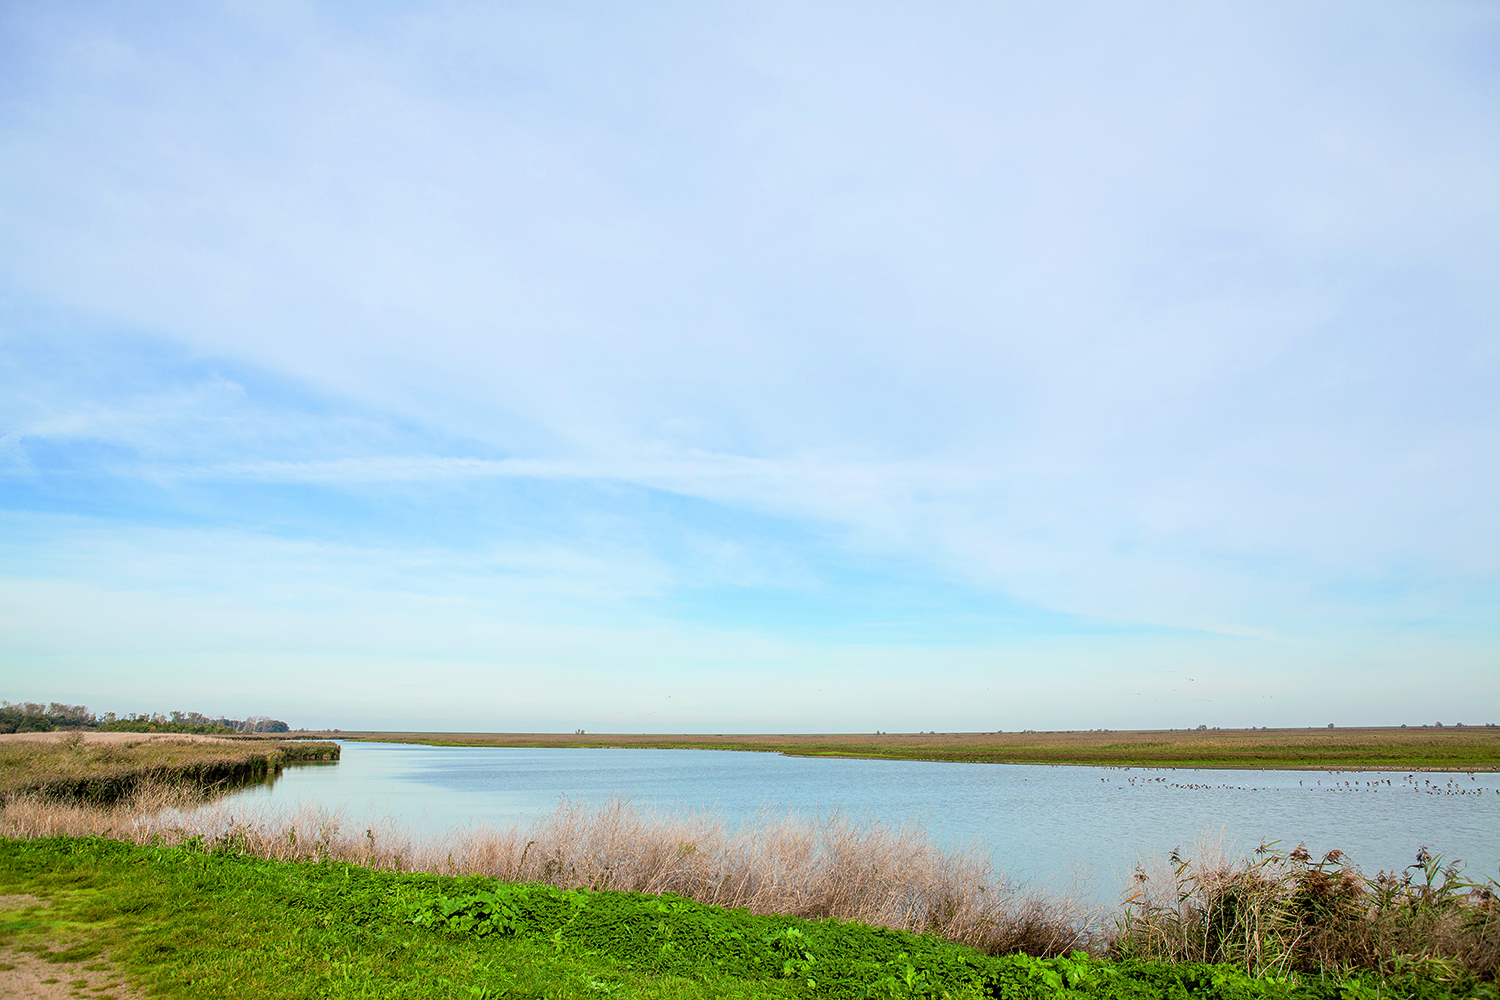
[1287, 911]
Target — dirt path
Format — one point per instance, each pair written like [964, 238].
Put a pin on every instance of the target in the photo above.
[25, 971]
[24, 975]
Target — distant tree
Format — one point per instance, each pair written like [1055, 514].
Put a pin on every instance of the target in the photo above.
[30, 716]
[26, 717]
[73, 716]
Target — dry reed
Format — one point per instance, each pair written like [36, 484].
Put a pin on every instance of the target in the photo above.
[103, 767]
[1283, 912]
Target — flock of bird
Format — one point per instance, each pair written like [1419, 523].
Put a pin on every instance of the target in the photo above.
[1410, 782]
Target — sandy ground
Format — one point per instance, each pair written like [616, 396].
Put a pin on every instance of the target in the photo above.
[89, 736]
[22, 974]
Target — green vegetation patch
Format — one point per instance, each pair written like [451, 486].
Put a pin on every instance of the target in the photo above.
[183, 922]
[669, 934]
[197, 922]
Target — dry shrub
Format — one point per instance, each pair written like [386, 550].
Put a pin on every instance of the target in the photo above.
[775, 863]
[30, 815]
[1287, 912]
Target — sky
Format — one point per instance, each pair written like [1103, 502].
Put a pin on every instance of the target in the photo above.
[775, 367]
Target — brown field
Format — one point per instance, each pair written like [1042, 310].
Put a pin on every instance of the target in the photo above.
[102, 767]
[1450, 748]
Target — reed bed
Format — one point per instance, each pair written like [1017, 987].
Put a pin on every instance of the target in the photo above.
[105, 767]
[1283, 912]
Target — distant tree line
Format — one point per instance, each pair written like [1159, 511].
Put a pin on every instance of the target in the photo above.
[33, 717]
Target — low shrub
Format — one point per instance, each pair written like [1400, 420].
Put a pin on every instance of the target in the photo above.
[1287, 912]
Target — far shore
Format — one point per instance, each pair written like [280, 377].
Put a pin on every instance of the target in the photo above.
[1447, 748]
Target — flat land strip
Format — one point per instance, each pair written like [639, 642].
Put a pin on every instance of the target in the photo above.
[1449, 748]
[103, 767]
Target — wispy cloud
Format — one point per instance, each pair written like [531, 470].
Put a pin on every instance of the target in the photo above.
[1159, 319]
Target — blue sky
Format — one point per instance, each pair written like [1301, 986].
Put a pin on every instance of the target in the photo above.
[774, 367]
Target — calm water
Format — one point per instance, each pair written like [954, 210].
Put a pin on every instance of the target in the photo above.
[1043, 824]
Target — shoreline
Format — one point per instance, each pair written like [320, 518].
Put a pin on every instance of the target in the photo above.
[1459, 749]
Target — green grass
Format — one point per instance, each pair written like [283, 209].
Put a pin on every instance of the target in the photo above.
[182, 923]
[189, 922]
[1449, 748]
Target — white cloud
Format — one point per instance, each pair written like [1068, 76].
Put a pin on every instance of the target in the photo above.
[1171, 315]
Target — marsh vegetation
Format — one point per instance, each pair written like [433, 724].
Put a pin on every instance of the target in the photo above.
[105, 767]
[1447, 748]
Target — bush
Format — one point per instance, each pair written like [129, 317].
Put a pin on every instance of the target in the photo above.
[1286, 912]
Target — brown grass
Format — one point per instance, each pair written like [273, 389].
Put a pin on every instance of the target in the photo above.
[104, 767]
[1289, 912]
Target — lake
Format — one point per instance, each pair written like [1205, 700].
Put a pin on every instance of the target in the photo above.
[1043, 825]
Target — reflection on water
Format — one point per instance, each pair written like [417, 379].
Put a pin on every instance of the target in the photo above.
[261, 782]
[1041, 823]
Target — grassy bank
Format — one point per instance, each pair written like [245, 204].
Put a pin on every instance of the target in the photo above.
[1277, 916]
[103, 768]
[1449, 748]
[898, 878]
[211, 920]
